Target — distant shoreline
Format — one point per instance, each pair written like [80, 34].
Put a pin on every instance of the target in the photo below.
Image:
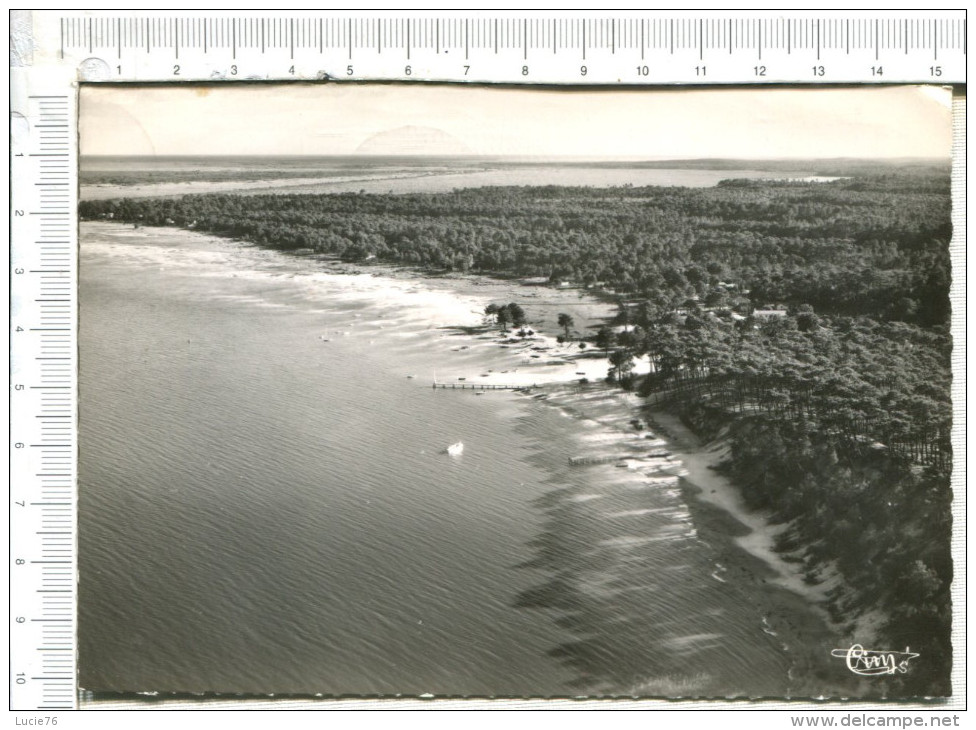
[441, 181]
[107, 177]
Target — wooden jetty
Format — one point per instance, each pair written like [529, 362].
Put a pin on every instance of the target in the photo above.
[480, 386]
[589, 460]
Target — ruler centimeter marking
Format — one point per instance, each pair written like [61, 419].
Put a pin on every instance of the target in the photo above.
[43, 460]
[651, 48]
[897, 48]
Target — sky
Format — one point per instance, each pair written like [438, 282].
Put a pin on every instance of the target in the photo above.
[342, 119]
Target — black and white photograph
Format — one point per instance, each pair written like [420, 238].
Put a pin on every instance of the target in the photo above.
[450, 391]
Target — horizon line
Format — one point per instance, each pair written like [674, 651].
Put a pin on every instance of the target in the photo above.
[607, 158]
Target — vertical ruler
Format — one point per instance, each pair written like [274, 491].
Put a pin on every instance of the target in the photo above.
[43, 359]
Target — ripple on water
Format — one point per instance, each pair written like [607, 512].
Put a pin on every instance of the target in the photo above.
[239, 474]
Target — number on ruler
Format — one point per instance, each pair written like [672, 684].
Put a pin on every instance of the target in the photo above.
[699, 71]
[877, 71]
[759, 70]
[818, 71]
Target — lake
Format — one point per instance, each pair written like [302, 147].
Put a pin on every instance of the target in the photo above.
[111, 177]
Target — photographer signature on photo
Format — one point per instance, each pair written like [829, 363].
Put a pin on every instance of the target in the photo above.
[868, 663]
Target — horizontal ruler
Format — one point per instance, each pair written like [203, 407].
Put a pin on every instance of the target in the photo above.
[676, 48]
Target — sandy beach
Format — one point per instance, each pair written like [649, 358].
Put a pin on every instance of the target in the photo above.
[657, 448]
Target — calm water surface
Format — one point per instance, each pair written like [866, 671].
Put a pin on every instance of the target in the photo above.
[266, 505]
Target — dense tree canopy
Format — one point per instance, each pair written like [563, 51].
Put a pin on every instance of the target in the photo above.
[806, 321]
[872, 246]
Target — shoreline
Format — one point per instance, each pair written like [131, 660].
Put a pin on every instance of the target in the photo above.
[744, 540]
[791, 611]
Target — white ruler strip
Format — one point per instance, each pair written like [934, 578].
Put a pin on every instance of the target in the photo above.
[666, 47]
[43, 398]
